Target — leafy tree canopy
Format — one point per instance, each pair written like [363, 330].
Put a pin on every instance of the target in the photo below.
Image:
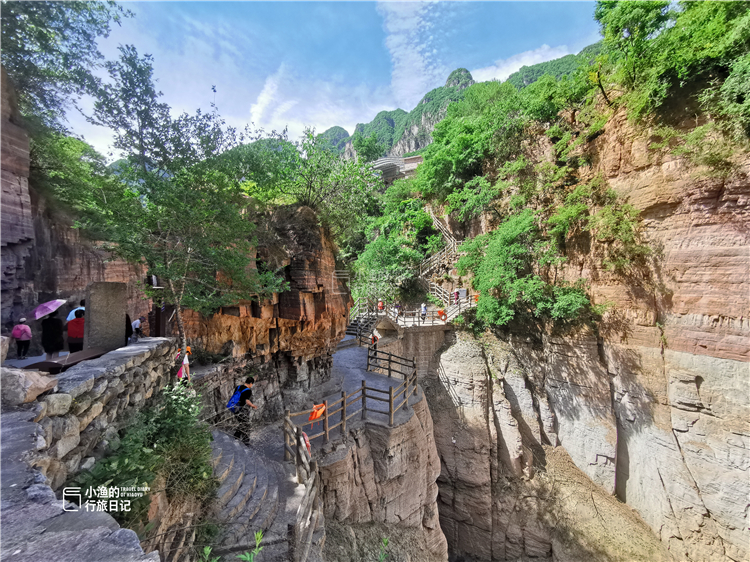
[49, 52]
[368, 148]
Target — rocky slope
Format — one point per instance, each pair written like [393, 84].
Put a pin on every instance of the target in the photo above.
[654, 407]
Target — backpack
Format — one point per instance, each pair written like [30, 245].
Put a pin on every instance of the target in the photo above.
[234, 402]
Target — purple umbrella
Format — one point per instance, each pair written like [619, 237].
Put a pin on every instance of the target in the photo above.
[45, 308]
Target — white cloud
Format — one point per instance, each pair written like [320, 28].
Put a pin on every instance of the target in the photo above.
[409, 40]
[267, 96]
[505, 67]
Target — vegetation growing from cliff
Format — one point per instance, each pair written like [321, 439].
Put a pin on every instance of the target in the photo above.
[484, 158]
[166, 444]
[399, 238]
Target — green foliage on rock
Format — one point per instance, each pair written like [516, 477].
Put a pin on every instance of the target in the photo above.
[557, 68]
[659, 51]
[399, 238]
[507, 266]
[168, 442]
[337, 136]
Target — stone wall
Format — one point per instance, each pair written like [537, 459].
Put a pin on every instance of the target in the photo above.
[417, 342]
[92, 401]
[54, 427]
[387, 475]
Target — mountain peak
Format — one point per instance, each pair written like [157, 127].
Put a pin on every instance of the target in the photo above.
[459, 78]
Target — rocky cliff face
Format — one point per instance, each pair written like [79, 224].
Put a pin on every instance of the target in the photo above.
[387, 476]
[505, 492]
[43, 258]
[655, 406]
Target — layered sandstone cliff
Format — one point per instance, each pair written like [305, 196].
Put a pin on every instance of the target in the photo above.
[387, 476]
[43, 257]
[655, 406]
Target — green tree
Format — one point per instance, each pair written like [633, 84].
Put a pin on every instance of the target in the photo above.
[50, 52]
[627, 28]
[368, 148]
[338, 190]
[178, 206]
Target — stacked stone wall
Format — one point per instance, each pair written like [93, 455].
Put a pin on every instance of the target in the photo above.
[92, 401]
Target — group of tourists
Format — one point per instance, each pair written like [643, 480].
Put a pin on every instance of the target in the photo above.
[54, 328]
[53, 333]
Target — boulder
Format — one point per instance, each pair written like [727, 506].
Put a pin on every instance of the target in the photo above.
[20, 386]
[4, 345]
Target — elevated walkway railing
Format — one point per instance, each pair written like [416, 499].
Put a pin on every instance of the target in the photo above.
[337, 413]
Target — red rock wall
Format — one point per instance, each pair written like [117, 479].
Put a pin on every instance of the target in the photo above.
[43, 258]
[655, 405]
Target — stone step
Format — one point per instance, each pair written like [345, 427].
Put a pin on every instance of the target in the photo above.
[257, 515]
[255, 482]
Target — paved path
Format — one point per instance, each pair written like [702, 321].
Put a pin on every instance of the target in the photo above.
[349, 366]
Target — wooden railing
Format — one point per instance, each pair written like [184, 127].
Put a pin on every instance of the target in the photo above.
[337, 413]
[296, 446]
[309, 510]
[389, 364]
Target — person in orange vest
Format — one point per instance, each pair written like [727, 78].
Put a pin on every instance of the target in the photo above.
[381, 306]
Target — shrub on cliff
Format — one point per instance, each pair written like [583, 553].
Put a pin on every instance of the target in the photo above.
[168, 443]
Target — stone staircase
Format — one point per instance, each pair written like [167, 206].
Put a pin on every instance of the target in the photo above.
[256, 494]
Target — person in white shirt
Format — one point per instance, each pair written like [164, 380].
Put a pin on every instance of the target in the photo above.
[72, 313]
[137, 326]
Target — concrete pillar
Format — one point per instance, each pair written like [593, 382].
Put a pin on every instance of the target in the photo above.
[104, 327]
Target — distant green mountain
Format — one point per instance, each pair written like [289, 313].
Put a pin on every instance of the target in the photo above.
[401, 132]
[337, 136]
[558, 67]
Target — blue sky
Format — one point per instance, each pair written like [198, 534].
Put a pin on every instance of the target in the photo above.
[320, 64]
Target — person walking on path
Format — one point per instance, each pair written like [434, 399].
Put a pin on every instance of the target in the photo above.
[243, 414]
[52, 336]
[423, 311]
[72, 313]
[75, 332]
[183, 375]
[22, 334]
[137, 326]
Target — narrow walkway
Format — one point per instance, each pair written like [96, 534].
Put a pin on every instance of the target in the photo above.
[258, 489]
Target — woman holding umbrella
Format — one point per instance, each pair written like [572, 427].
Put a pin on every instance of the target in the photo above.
[52, 328]
[52, 336]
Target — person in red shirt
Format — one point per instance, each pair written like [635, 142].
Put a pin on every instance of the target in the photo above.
[75, 332]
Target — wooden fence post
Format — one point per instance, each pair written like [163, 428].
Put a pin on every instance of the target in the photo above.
[343, 415]
[390, 405]
[287, 455]
[364, 400]
[368, 358]
[389, 365]
[325, 420]
[299, 441]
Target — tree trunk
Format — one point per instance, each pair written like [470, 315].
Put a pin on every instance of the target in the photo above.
[180, 325]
